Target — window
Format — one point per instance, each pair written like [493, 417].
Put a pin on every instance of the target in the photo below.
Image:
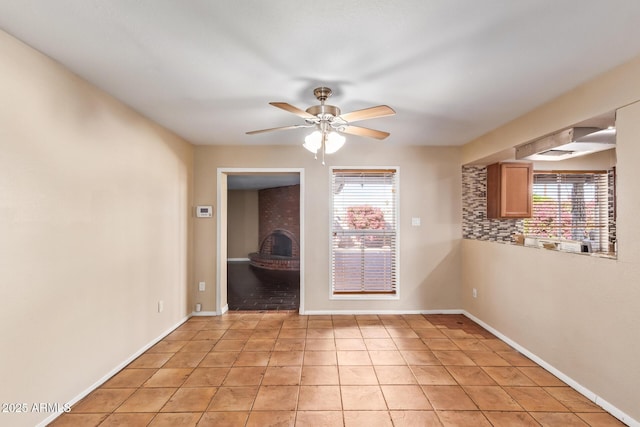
[364, 236]
[571, 206]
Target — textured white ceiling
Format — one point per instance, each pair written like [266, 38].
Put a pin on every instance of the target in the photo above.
[452, 69]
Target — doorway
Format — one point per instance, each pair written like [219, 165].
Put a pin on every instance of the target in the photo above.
[260, 260]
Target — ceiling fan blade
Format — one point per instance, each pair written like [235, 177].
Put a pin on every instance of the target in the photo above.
[295, 110]
[368, 113]
[253, 132]
[360, 131]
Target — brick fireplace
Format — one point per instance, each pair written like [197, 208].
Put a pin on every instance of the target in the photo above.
[278, 229]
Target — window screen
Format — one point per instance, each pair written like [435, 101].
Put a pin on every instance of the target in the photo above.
[572, 206]
[364, 232]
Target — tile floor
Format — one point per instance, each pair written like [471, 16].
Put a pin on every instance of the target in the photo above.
[283, 369]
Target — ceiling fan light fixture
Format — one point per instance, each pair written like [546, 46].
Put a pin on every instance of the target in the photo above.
[313, 141]
[334, 142]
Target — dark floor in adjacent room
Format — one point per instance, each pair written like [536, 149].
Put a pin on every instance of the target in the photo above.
[251, 288]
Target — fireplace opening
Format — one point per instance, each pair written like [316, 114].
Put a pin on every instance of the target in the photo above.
[281, 245]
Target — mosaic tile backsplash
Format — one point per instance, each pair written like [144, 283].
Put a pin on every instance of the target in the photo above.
[475, 224]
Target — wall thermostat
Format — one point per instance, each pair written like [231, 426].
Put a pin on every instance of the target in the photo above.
[204, 211]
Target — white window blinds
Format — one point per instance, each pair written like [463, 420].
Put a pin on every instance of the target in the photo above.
[364, 231]
[572, 206]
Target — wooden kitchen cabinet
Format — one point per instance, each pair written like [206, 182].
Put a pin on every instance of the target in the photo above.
[509, 190]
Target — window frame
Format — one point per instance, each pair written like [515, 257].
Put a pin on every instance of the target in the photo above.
[395, 252]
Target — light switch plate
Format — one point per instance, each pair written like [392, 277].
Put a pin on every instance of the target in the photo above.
[201, 286]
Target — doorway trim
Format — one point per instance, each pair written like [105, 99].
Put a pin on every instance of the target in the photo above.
[221, 228]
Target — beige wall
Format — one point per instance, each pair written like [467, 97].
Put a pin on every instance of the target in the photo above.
[94, 225]
[576, 312]
[430, 188]
[242, 223]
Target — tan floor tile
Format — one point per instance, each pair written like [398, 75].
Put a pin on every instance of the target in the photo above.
[508, 376]
[347, 332]
[322, 324]
[195, 399]
[103, 400]
[244, 376]
[367, 418]
[320, 333]
[151, 360]
[320, 344]
[432, 375]
[535, 399]
[415, 419]
[440, 344]
[558, 419]
[402, 333]
[497, 345]
[167, 346]
[453, 358]
[238, 334]
[456, 333]
[271, 418]
[492, 398]
[293, 333]
[472, 344]
[463, 419]
[223, 419]
[295, 323]
[286, 358]
[147, 400]
[320, 398]
[470, 375]
[180, 336]
[202, 346]
[320, 375]
[449, 398]
[375, 333]
[229, 345]
[276, 398]
[261, 344]
[357, 375]
[282, 375]
[75, 420]
[429, 333]
[129, 420]
[386, 357]
[206, 377]
[380, 344]
[510, 419]
[265, 334]
[395, 375]
[219, 359]
[244, 324]
[129, 378]
[414, 357]
[168, 377]
[541, 376]
[353, 358]
[319, 419]
[350, 344]
[185, 360]
[253, 358]
[601, 419]
[289, 344]
[405, 397]
[210, 335]
[320, 358]
[487, 358]
[186, 419]
[233, 399]
[573, 400]
[364, 397]
[414, 344]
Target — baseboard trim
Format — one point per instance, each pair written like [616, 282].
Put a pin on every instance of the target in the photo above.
[238, 259]
[382, 312]
[620, 415]
[111, 373]
[223, 310]
[204, 313]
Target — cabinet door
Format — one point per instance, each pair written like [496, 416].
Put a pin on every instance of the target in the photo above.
[516, 183]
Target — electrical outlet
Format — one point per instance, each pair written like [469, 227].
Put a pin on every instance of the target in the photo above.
[160, 306]
[475, 293]
[201, 286]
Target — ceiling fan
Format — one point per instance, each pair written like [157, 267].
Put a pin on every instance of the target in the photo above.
[329, 123]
